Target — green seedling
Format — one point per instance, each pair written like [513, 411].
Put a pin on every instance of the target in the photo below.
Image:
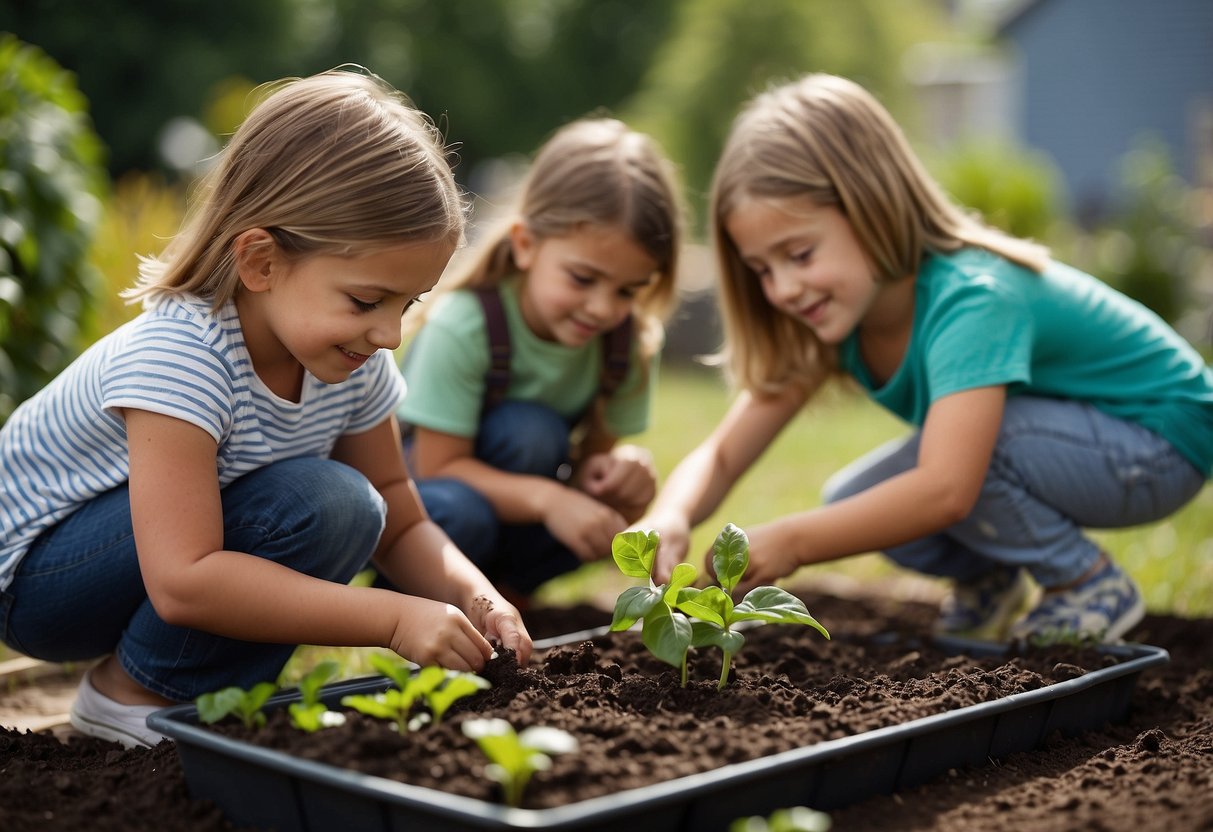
[514, 757]
[715, 613]
[666, 632]
[309, 713]
[682, 616]
[245, 704]
[437, 687]
[794, 819]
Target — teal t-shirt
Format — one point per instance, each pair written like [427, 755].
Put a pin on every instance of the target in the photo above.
[446, 363]
[980, 320]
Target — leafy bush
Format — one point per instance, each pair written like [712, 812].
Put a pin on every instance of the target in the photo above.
[1150, 247]
[51, 185]
[1013, 189]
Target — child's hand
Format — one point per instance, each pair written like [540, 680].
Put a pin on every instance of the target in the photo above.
[431, 632]
[583, 524]
[625, 479]
[674, 536]
[499, 620]
[772, 557]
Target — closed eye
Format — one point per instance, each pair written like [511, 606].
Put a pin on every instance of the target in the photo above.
[803, 256]
[365, 306]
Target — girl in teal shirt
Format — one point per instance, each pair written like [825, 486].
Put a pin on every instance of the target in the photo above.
[1042, 401]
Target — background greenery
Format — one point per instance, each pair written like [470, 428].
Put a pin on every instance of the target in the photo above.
[501, 75]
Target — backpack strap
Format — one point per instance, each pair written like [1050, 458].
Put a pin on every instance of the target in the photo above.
[616, 355]
[616, 351]
[497, 379]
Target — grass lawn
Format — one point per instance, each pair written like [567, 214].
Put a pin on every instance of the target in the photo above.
[1172, 559]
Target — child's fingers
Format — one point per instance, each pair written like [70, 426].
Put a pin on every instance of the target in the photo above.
[509, 631]
[471, 649]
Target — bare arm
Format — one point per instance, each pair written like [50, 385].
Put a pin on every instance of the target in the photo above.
[193, 582]
[957, 442]
[415, 554]
[699, 484]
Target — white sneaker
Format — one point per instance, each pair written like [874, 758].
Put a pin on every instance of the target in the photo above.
[99, 716]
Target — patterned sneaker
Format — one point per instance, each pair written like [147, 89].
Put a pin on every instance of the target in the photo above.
[1103, 607]
[985, 607]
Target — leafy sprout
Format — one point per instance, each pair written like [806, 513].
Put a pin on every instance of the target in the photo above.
[513, 756]
[245, 704]
[678, 616]
[793, 819]
[309, 713]
[437, 687]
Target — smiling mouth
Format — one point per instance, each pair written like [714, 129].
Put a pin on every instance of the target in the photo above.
[813, 312]
[356, 356]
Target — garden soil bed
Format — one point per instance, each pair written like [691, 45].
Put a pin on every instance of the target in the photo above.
[1153, 772]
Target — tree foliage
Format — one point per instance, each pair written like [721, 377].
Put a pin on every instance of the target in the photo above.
[51, 181]
[722, 52]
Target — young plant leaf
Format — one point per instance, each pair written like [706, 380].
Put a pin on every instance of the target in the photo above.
[704, 634]
[667, 635]
[456, 687]
[515, 757]
[397, 671]
[769, 603]
[711, 604]
[633, 604]
[682, 577]
[310, 685]
[634, 552]
[312, 717]
[247, 705]
[730, 556]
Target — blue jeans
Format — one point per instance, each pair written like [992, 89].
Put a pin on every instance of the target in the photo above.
[521, 438]
[1058, 467]
[78, 593]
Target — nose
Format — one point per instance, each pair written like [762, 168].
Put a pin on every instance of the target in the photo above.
[781, 286]
[386, 332]
[602, 303]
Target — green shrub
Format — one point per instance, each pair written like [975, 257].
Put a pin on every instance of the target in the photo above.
[52, 182]
[1150, 247]
[1013, 189]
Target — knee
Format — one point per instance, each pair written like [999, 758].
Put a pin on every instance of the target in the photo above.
[334, 504]
[523, 438]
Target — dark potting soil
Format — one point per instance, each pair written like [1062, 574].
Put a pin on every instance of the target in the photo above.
[1153, 772]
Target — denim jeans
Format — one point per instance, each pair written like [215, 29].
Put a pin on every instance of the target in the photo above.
[78, 593]
[521, 438]
[1058, 467]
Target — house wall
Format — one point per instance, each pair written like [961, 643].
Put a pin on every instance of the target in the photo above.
[1095, 75]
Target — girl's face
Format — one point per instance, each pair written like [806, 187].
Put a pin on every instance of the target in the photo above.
[580, 284]
[329, 314]
[808, 260]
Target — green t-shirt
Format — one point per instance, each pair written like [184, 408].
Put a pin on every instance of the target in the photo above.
[446, 363]
[980, 320]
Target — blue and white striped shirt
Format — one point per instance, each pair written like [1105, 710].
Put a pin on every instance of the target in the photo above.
[67, 444]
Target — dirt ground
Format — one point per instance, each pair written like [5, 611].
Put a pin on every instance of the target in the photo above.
[1154, 771]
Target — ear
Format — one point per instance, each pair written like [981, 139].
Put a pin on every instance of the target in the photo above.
[522, 245]
[257, 258]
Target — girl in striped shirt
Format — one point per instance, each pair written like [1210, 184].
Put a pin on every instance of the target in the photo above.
[191, 498]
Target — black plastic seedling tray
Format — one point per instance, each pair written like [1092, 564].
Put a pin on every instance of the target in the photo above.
[264, 788]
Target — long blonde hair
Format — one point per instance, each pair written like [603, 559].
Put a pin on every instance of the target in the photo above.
[339, 163]
[828, 139]
[594, 171]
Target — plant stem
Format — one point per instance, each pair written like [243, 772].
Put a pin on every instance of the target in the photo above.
[724, 669]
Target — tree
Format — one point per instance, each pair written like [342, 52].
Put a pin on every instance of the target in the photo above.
[51, 181]
[722, 52]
